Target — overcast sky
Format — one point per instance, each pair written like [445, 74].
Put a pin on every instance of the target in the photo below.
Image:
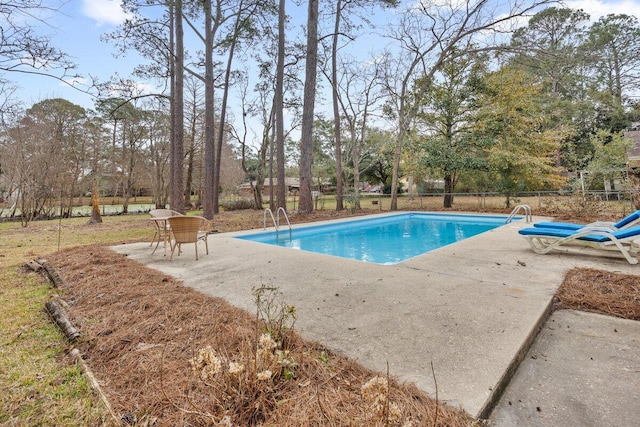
[77, 31]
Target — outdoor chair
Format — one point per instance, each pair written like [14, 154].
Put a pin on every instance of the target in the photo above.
[188, 229]
[544, 240]
[626, 222]
[162, 232]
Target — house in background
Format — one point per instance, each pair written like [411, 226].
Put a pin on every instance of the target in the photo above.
[633, 164]
[293, 187]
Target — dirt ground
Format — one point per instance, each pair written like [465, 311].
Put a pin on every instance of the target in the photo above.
[167, 355]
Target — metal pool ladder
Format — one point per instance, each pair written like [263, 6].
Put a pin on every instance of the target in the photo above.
[527, 213]
[276, 220]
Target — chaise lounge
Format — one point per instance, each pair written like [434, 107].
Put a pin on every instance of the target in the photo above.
[626, 222]
[544, 240]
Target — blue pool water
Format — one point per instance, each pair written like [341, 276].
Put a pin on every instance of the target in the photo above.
[384, 240]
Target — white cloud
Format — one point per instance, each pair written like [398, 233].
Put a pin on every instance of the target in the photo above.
[594, 8]
[104, 11]
[599, 8]
[144, 88]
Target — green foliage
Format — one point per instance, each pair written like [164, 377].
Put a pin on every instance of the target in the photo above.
[610, 151]
[324, 159]
[549, 48]
[352, 201]
[522, 148]
[379, 158]
[586, 73]
[446, 148]
[609, 158]
[615, 41]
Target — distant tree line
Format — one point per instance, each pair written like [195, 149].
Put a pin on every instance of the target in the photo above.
[56, 152]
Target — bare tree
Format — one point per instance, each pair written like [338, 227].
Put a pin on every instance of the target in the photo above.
[22, 48]
[241, 17]
[194, 119]
[360, 92]
[241, 20]
[44, 157]
[159, 146]
[96, 135]
[342, 7]
[254, 167]
[160, 39]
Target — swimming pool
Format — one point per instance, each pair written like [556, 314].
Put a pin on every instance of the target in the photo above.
[386, 240]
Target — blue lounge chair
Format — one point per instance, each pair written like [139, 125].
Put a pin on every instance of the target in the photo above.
[544, 240]
[626, 222]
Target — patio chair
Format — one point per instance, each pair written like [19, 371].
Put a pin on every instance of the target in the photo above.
[626, 222]
[188, 229]
[162, 232]
[545, 240]
[163, 212]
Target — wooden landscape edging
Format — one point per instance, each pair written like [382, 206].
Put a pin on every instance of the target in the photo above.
[60, 318]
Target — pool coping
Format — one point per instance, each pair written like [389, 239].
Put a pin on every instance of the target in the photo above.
[472, 308]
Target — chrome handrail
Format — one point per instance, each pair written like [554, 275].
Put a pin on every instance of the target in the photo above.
[527, 213]
[285, 217]
[276, 219]
[264, 219]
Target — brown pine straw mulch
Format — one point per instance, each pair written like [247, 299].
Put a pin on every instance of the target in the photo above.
[603, 292]
[140, 329]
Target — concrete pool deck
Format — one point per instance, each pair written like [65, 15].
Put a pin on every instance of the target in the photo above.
[472, 309]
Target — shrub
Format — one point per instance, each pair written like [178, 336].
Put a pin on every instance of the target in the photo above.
[236, 204]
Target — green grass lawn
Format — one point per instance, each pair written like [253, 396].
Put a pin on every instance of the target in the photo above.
[39, 383]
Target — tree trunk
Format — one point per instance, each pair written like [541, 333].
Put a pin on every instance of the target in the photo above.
[209, 117]
[128, 190]
[191, 153]
[125, 169]
[259, 185]
[336, 108]
[177, 144]
[279, 107]
[306, 137]
[270, 140]
[355, 158]
[396, 168]
[618, 79]
[96, 218]
[159, 199]
[223, 109]
[448, 190]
